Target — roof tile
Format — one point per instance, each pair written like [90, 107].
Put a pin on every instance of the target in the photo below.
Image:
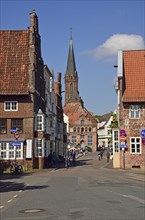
[14, 62]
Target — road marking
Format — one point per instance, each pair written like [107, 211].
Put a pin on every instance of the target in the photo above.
[129, 196]
[20, 191]
[135, 198]
[9, 200]
[1, 206]
[15, 196]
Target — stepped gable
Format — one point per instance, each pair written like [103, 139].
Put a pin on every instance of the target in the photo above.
[75, 110]
[14, 62]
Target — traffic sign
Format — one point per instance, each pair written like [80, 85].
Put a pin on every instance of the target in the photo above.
[16, 144]
[143, 133]
[143, 141]
[16, 135]
[122, 145]
[122, 138]
[13, 130]
[122, 132]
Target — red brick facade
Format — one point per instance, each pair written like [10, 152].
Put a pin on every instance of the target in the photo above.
[131, 85]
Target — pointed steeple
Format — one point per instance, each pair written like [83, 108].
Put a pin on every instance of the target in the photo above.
[71, 66]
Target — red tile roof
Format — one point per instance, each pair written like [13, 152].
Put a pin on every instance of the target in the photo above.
[134, 76]
[14, 62]
[75, 110]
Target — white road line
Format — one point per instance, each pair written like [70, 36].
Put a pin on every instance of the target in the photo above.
[20, 191]
[135, 198]
[15, 196]
[9, 200]
[1, 206]
[129, 196]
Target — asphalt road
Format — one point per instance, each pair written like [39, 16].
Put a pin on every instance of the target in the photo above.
[91, 190]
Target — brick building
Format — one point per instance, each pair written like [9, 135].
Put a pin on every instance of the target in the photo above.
[131, 107]
[22, 97]
[82, 124]
[59, 112]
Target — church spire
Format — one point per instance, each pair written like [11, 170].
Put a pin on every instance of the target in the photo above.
[71, 66]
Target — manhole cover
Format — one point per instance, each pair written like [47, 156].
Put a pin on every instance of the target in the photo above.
[32, 210]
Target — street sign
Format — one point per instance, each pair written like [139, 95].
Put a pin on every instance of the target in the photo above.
[122, 138]
[122, 145]
[143, 141]
[15, 144]
[13, 130]
[16, 135]
[122, 132]
[143, 133]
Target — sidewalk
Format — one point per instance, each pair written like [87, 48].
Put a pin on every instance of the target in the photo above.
[135, 174]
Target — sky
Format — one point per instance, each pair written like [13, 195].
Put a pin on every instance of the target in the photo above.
[99, 29]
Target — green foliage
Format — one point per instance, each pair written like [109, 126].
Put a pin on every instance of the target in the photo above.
[114, 123]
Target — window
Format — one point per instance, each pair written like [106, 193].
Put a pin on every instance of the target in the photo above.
[135, 145]
[3, 126]
[86, 129]
[17, 124]
[40, 123]
[90, 129]
[10, 106]
[89, 140]
[78, 129]
[39, 147]
[82, 129]
[134, 111]
[82, 122]
[74, 140]
[9, 152]
[74, 129]
[115, 141]
[82, 136]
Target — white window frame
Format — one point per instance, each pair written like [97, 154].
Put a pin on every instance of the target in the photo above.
[37, 148]
[135, 143]
[133, 111]
[11, 150]
[116, 141]
[10, 105]
[40, 123]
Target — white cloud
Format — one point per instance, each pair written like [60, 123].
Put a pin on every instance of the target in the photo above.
[109, 49]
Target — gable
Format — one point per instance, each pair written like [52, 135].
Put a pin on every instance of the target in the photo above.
[134, 76]
[14, 62]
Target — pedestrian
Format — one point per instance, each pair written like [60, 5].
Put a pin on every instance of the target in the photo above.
[108, 156]
[74, 158]
[50, 160]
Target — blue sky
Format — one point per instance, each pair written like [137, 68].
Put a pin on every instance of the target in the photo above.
[99, 29]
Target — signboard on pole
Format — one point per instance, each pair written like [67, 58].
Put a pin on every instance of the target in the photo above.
[143, 133]
[16, 134]
[16, 144]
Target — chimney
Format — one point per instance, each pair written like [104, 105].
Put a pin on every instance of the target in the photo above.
[34, 22]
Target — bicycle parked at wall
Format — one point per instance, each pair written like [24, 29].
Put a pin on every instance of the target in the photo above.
[16, 168]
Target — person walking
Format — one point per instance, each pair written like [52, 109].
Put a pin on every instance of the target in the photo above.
[108, 156]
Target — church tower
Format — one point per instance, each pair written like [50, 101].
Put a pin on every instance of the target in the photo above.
[71, 77]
